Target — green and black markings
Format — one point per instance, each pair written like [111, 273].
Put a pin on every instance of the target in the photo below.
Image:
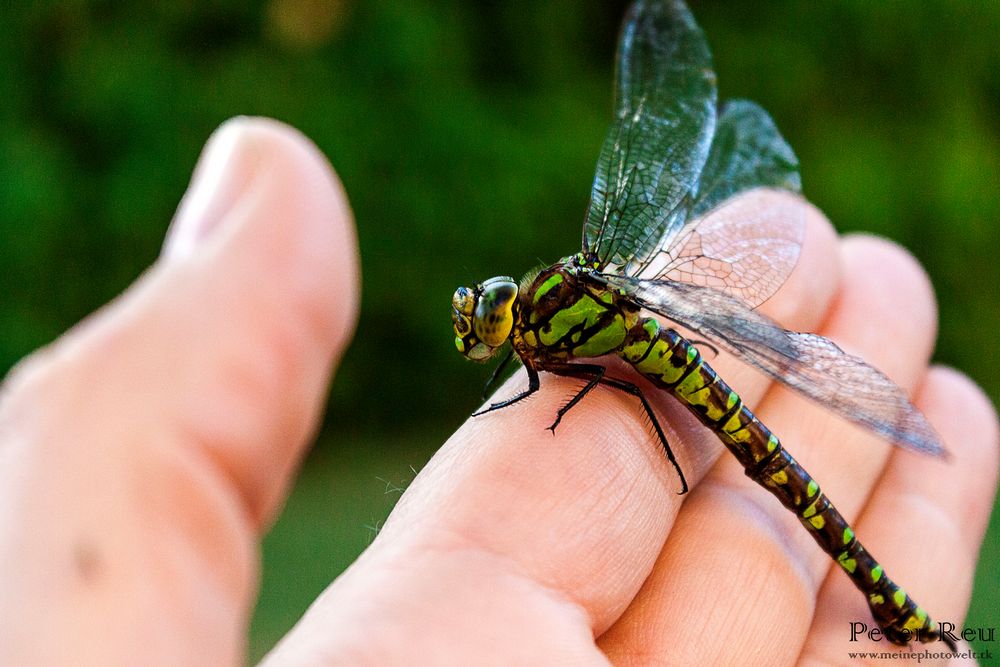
[660, 236]
[672, 362]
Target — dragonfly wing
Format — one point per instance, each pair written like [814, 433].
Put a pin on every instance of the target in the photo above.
[657, 145]
[746, 247]
[812, 365]
[747, 152]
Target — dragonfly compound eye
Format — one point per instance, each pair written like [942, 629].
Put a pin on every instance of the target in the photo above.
[494, 315]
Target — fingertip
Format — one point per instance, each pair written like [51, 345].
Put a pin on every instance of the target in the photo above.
[326, 256]
[264, 192]
[889, 278]
[223, 172]
[967, 420]
[803, 300]
[961, 400]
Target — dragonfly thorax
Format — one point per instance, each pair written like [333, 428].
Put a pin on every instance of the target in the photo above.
[484, 316]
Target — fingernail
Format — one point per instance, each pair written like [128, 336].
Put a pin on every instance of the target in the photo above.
[224, 170]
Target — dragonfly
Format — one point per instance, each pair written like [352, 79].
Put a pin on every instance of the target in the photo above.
[661, 237]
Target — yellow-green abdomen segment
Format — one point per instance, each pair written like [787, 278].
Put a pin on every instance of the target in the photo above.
[672, 362]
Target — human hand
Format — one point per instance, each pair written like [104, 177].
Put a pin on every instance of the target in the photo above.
[514, 547]
[146, 451]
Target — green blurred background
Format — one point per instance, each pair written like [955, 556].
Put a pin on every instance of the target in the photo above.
[466, 135]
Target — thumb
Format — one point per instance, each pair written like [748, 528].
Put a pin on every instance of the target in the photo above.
[143, 452]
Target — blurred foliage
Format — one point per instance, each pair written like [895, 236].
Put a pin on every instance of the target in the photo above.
[465, 134]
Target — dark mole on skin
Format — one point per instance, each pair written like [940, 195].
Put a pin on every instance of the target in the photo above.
[87, 561]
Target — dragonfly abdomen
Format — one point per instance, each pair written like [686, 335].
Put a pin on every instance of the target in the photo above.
[674, 363]
[900, 617]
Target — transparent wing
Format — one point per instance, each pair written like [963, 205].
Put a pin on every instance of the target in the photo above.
[662, 201]
[746, 247]
[747, 152]
[812, 365]
[657, 145]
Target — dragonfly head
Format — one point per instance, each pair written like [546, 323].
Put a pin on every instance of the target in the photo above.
[484, 316]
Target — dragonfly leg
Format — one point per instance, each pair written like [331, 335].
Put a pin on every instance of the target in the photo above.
[533, 385]
[497, 371]
[596, 373]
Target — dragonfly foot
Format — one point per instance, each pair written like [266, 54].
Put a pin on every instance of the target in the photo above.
[493, 406]
[559, 416]
[533, 385]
